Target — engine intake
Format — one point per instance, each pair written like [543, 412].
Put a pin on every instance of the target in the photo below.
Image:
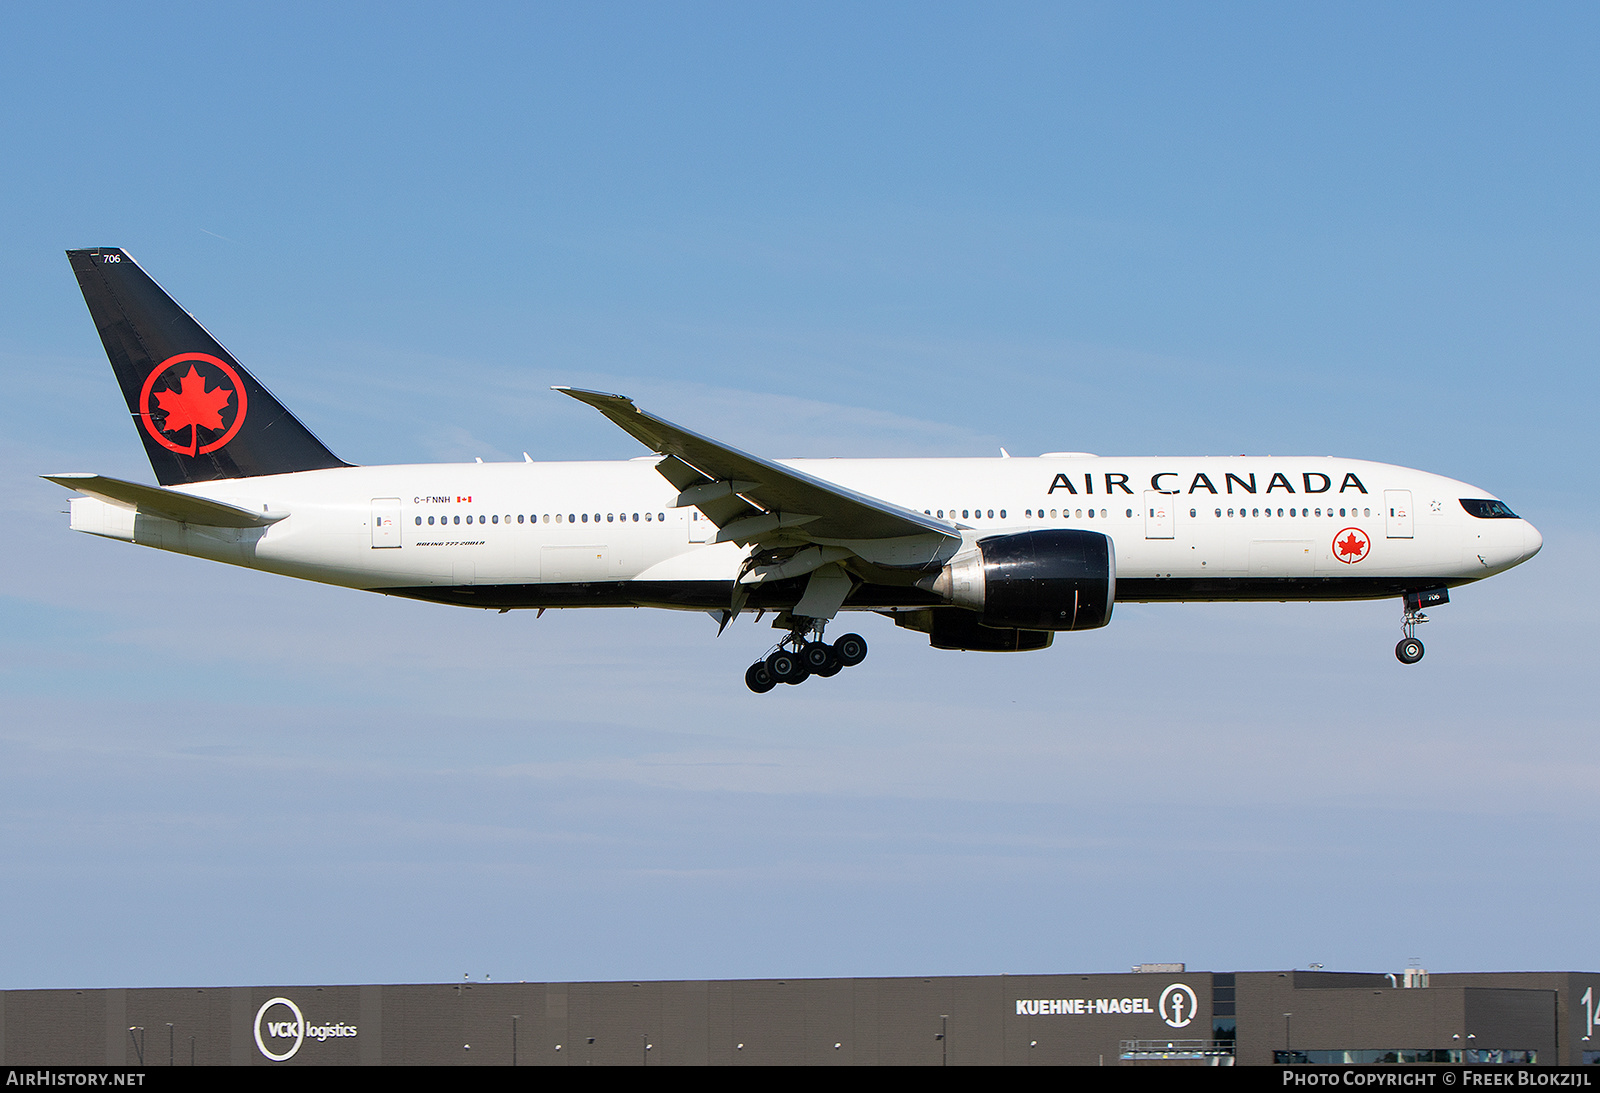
[1057, 579]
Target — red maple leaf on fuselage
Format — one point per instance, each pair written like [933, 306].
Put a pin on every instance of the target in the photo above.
[193, 406]
[1352, 544]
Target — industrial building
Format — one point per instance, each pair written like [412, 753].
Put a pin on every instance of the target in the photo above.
[1155, 1015]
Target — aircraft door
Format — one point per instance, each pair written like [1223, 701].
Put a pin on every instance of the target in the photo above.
[1159, 509]
[701, 530]
[385, 522]
[1398, 504]
[1281, 558]
[573, 564]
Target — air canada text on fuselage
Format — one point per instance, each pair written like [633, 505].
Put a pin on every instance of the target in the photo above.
[1208, 482]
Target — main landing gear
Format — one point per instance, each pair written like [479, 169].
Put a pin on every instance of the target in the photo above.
[804, 654]
[1410, 650]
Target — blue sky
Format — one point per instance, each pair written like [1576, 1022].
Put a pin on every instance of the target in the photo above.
[1366, 230]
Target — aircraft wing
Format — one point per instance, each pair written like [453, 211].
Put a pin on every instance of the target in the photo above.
[752, 499]
[169, 504]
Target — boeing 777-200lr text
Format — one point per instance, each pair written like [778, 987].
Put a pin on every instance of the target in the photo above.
[987, 554]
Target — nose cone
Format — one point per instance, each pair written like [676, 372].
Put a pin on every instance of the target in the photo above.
[1531, 541]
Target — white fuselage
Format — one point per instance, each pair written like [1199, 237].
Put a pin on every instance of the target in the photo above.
[1183, 528]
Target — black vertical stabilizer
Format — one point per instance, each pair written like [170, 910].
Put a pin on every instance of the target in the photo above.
[200, 414]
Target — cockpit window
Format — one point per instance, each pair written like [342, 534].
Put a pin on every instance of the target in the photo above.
[1487, 510]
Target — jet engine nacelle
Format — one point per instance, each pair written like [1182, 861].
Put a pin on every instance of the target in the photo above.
[1058, 579]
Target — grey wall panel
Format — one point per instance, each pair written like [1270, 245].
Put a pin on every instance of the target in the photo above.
[370, 1040]
[119, 1036]
[67, 1027]
[1520, 1019]
[241, 1014]
[690, 1022]
[989, 1020]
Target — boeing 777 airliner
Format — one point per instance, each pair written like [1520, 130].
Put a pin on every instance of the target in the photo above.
[984, 554]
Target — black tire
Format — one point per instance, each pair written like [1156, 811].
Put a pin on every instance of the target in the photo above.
[833, 669]
[758, 679]
[1409, 651]
[786, 667]
[817, 655]
[851, 650]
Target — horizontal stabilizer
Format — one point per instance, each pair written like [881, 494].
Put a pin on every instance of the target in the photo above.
[167, 504]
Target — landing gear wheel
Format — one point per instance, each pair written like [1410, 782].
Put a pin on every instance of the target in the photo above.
[851, 650]
[786, 667]
[819, 656]
[758, 679]
[1409, 651]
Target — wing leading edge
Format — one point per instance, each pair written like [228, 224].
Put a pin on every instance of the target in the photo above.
[806, 507]
[797, 525]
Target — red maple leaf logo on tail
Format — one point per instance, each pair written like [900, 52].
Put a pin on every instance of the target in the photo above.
[192, 406]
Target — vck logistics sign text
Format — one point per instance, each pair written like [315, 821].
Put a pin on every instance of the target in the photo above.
[293, 1028]
[1177, 1006]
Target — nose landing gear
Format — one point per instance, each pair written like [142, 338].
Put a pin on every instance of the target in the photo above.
[803, 654]
[1410, 650]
